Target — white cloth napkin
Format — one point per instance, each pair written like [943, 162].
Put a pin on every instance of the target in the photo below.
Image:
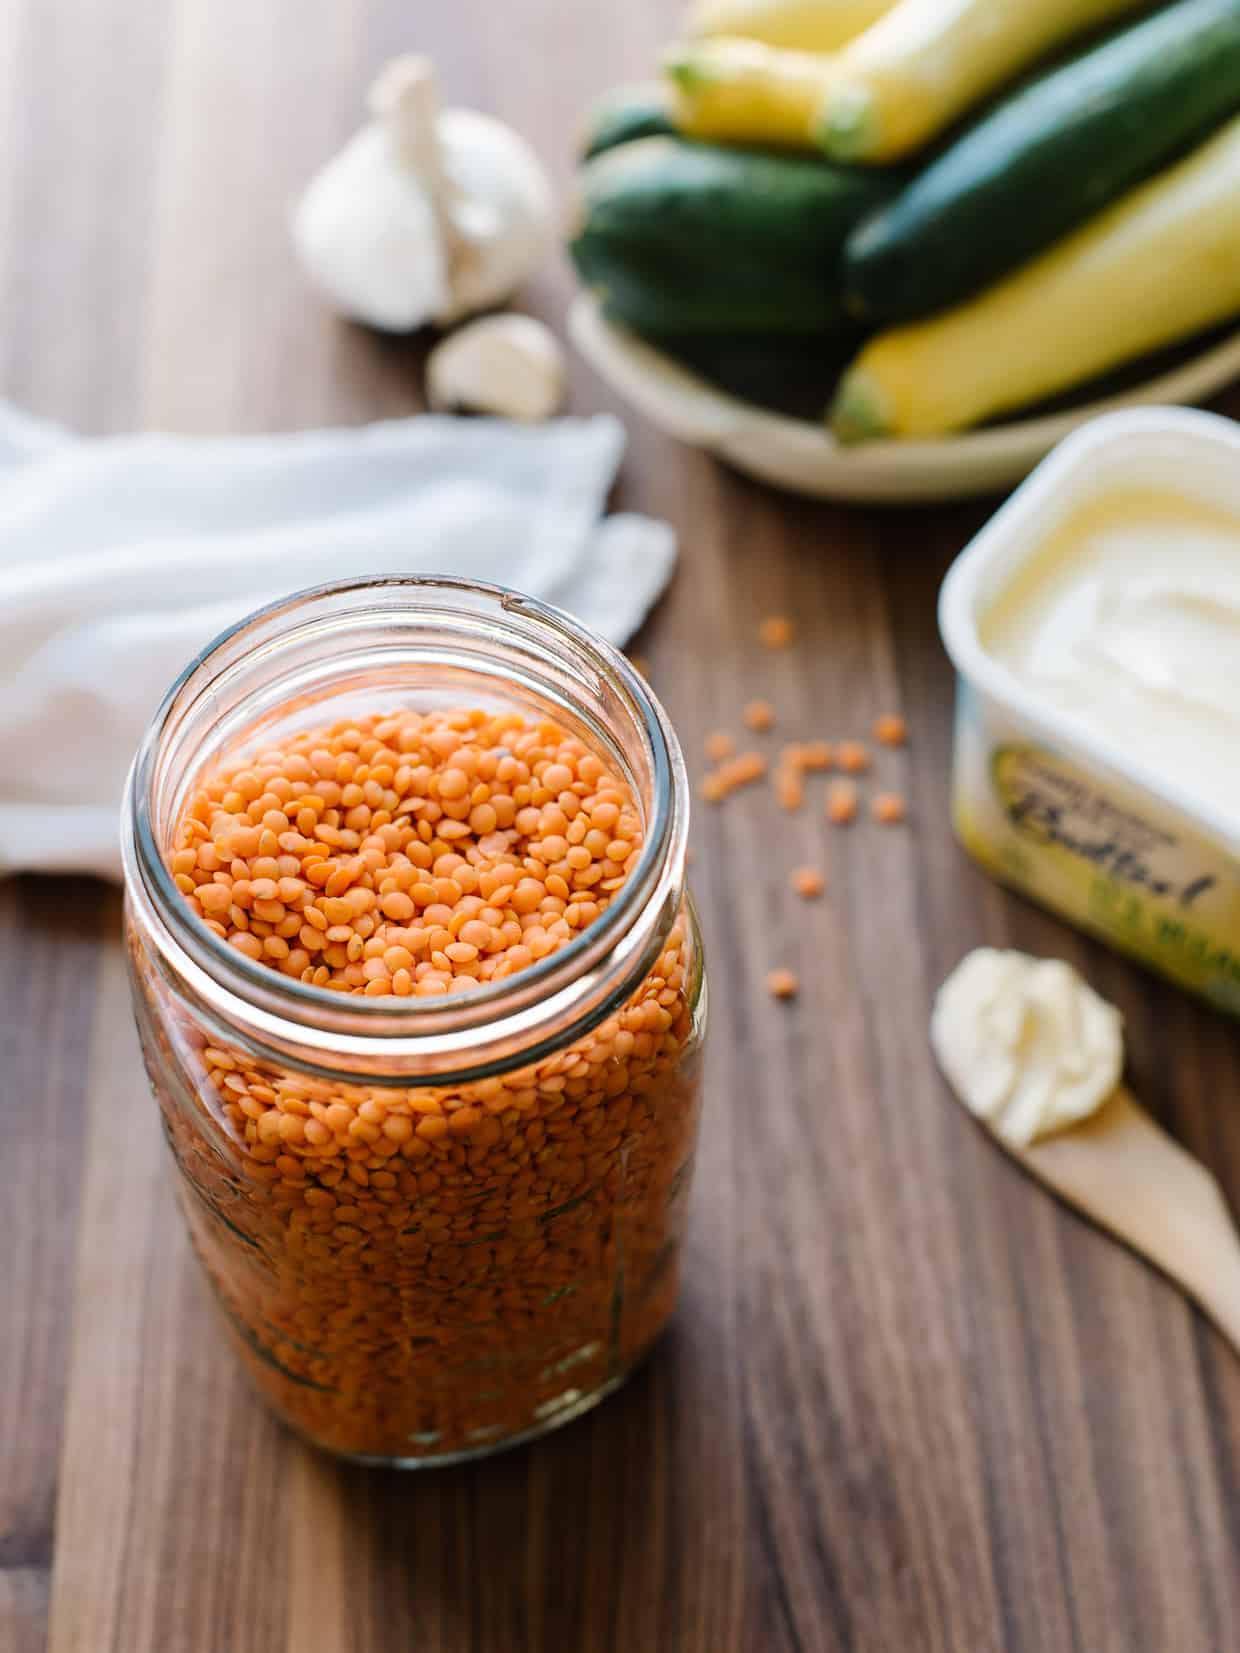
[122, 557]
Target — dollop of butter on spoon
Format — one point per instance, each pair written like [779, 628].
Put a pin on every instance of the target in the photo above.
[1026, 1043]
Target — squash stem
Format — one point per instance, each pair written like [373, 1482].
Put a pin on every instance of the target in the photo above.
[858, 413]
[846, 125]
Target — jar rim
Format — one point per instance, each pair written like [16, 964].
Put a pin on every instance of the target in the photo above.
[491, 1028]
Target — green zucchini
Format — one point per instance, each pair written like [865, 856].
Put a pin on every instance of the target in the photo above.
[1048, 159]
[1157, 266]
[629, 112]
[681, 237]
[793, 374]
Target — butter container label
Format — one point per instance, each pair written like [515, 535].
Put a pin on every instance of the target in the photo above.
[1112, 859]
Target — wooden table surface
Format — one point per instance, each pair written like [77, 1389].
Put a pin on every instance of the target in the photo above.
[909, 1402]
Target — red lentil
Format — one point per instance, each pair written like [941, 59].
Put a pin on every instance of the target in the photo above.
[783, 984]
[776, 632]
[741, 770]
[852, 757]
[891, 730]
[808, 882]
[842, 803]
[789, 787]
[759, 715]
[888, 809]
[816, 755]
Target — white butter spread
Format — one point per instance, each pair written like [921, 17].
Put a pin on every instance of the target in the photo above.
[1128, 618]
[1026, 1043]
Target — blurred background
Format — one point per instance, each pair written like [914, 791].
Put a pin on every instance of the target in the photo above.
[909, 1403]
[154, 154]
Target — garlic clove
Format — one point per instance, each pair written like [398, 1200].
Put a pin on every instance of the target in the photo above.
[509, 366]
[503, 209]
[368, 237]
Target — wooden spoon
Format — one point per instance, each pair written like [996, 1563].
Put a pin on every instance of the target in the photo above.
[1124, 1171]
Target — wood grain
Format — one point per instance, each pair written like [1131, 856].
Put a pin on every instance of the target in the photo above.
[909, 1403]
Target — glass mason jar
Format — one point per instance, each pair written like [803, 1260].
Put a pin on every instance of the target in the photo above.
[486, 1238]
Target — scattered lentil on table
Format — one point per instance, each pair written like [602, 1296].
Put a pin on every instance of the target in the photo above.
[742, 770]
[815, 755]
[842, 803]
[852, 757]
[776, 632]
[789, 785]
[888, 809]
[891, 730]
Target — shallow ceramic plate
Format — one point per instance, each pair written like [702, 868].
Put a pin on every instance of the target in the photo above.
[806, 459]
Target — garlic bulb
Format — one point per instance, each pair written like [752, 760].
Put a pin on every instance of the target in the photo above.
[423, 216]
[510, 366]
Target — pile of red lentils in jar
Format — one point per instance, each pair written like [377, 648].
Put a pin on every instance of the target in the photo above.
[409, 854]
[422, 1270]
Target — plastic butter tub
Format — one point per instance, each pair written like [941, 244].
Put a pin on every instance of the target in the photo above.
[1094, 624]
